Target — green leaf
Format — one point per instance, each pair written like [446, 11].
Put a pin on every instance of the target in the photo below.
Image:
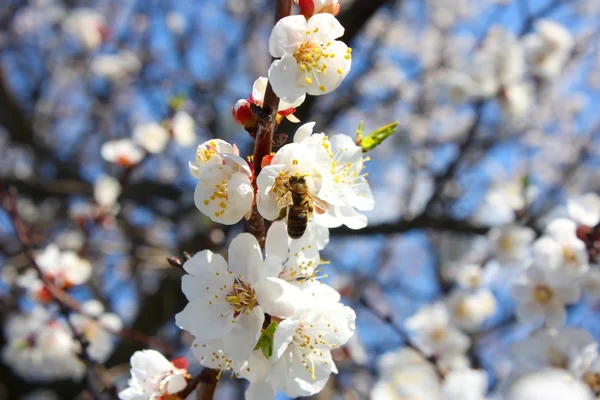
[265, 342]
[377, 137]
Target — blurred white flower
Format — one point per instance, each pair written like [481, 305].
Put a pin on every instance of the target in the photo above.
[560, 248]
[310, 59]
[106, 191]
[404, 374]
[573, 350]
[41, 349]
[123, 152]
[548, 48]
[511, 243]
[183, 128]
[152, 137]
[98, 328]
[541, 295]
[584, 209]
[469, 310]
[63, 268]
[154, 377]
[549, 385]
[465, 384]
[88, 25]
[469, 276]
[434, 332]
[115, 66]
[517, 99]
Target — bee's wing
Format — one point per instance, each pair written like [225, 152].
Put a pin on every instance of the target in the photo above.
[320, 205]
[285, 200]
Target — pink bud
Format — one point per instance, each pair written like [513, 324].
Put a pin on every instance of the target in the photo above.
[308, 8]
[243, 114]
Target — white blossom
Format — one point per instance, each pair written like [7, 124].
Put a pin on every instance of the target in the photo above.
[310, 59]
[87, 25]
[152, 137]
[434, 332]
[224, 193]
[332, 171]
[183, 128]
[62, 268]
[302, 345]
[39, 348]
[465, 384]
[97, 327]
[549, 385]
[584, 209]
[153, 377]
[106, 191]
[541, 295]
[548, 48]
[123, 152]
[404, 374]
[560, 248]
[470, 310]
[511, 243]
[116, 66]
[573, 350]
[228, 300]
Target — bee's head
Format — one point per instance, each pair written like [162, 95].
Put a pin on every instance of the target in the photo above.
[297, 179]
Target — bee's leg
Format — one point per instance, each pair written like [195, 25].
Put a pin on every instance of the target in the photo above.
[282, 214]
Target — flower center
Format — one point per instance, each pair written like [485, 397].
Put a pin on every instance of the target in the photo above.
[439, 335]
[309, 54]
[462, 309]
[569, 255]
[507, 243]
[242, 298]
[543, 294]
[557, 358]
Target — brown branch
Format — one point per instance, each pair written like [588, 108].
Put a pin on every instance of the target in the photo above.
[420, 222]
[387, 317]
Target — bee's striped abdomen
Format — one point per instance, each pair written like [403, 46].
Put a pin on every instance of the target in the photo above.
[297, 221]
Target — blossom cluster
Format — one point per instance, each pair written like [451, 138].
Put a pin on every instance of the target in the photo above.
[264, 314]
[549, 268]
[506, 68]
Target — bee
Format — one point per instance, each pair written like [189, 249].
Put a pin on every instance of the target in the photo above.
[298, 204]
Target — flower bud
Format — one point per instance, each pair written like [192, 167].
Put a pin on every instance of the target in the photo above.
[308, 8]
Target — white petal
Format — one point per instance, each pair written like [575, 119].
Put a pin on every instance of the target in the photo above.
[204, 320]
[287, 34]
[304, 132]
[327, 27]
[284, 334]
[176, 383]
[242, 338]
[245, 258]
[284, 75]
[277, 241]
[278, 297]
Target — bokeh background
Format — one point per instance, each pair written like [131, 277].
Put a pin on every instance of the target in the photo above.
[62, 97]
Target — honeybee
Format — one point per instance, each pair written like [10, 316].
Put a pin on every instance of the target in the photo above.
[296, 201]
